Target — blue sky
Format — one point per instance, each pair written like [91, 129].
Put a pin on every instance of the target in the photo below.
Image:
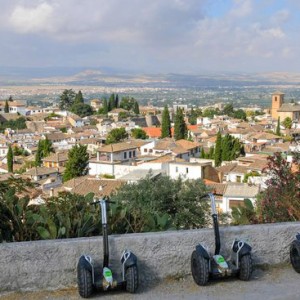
[152, 36]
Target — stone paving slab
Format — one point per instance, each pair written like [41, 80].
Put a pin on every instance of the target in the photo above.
[277, 283]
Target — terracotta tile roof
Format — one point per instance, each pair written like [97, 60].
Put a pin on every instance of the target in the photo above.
[117, 147]
[57, 136]
[38, 171]
[217, 188]
[100, 187]
[187, 144]
[289, 107]
[227, 168]
[57, 157]
[152, 132]
[241, 190]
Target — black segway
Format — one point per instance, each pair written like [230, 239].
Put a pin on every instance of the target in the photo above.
[295, 253]
[205, 265]
[94, 275]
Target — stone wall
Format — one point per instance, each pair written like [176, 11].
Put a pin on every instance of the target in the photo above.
[52, 264]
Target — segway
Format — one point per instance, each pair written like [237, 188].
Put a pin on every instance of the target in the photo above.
[205, 265]
[93, 275]
[295, 253]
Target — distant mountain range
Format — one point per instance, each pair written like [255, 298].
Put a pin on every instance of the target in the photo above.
[110, 77]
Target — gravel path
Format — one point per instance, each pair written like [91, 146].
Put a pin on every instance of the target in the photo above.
[278, 283]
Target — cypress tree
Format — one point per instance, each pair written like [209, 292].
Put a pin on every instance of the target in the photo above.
[180, 128]
[226, 148]
[10, 99]
[117, 101]
[278, 127]
[165, 123]
[211, 152]
[10, 160]
[78, 98]
[202, 154]
[39, 154]
[105, 106]
[111, 102]
[136, 108]
[218, 150]
[6, 107]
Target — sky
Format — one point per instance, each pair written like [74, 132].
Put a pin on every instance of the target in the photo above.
[152, 36]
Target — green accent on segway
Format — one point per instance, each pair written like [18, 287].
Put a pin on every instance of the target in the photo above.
[107, 274]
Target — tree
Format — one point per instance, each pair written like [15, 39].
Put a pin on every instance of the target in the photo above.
[77, 164]
[194, 114]
[136, 108]
[104, 108]
[218, 150]
[165, 123]
[44, 148]
[228, 109]
[116, 135]
[287, 123]
[82, 109]
[240, 114]
[127, 103]
[111, 102]
[6, 107]
[180, 128]
[66, 99]
[117, 101]
[161, 204]
[226, 148]
[202, 153]
[278, 127]
[10, 160]
[210, 112]
[279, 202]
[139, 133]
[10, 99]
[78, 98]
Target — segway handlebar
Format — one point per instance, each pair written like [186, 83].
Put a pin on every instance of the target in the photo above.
[103, 203]
[212, 200]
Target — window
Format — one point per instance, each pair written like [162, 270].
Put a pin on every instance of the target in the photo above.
[238, 178]
[150, 150]
[187, 170]
[145, 150]
[129, 154]
[133, 153]
[125, 155]
[176, 169]
[275, 98]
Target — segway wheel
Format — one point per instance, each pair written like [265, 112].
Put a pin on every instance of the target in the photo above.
[295, 256]
[200, 270]
[245, 267]
[84, 280]
[131, 277]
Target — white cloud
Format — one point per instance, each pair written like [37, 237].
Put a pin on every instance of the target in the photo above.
[32, 19]
[241, 8]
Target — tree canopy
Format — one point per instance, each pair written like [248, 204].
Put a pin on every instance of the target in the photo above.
[44, 149]
[180, 128]
[81, 109]
[165, 123]
[66, 99]
[116, 135]
[162, 203]
[77, 164]
[139, 133]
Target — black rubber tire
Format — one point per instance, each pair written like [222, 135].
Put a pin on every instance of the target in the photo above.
[295, 256]
[131, 277]
[200, 269]
[245, 267]
[84, 280]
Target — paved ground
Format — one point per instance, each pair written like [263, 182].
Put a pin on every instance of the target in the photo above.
[279, 283]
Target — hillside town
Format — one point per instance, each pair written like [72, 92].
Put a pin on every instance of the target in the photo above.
[131, 157]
